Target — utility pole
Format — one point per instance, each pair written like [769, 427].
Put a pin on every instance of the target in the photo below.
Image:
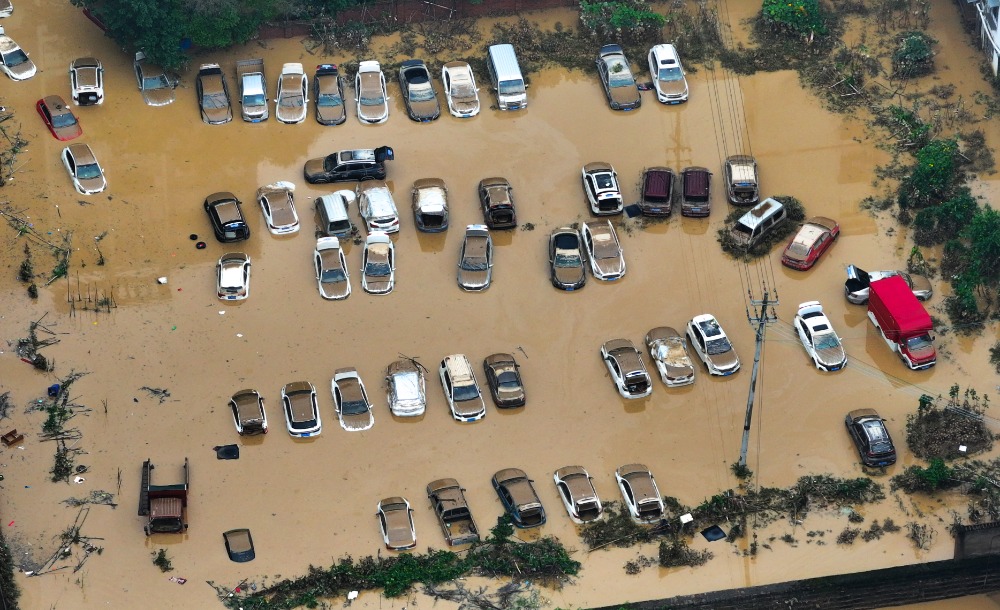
[761, 318]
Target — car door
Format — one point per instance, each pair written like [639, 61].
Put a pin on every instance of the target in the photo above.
[629, 497]
[602, 68]
[616, 371]
[70, 162]
[805, 336]
[266, 205]
[46, 115]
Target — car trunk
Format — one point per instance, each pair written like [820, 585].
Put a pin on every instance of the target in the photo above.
[587, 511]
[502, 217]
[431, 220]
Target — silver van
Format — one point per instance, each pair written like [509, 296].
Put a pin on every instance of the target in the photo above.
[759, 220]
[332, 212]
[506, 78]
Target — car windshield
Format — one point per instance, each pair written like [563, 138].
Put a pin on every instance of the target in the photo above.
[622, 78]
[214, 100]
[421, 95]
[329, 100]
[378, 269]
[332, 276]
[826, 341]
[511, 87]
[63, 120]
[798, 249]
[155, 82]
[15, 58]
[372, 100]
[670, 74]
[475, 263]
[921, 342]
[88, 171]
[254, 100]
[568, 260]
[466, 392]
[354, 407]
[508, 380]
[718, 346]
[462, 90]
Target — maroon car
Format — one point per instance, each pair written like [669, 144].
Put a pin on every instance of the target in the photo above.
[814, 238]
[58, 118]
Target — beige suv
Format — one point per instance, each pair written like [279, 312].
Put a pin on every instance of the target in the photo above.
[460, 388]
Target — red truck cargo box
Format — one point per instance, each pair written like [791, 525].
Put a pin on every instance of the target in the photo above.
[899, 313]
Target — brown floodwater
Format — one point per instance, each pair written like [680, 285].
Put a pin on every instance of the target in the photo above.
[309, 502]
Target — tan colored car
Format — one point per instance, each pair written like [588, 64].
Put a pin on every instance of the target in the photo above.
[603, 250]
[83, 168]
[351, 400]
[627, 370]
[616, 77]
[475, 264]
[213, 95]
[395, 518]
[642, 496]
[668, 351]
[503, 374]
[328, 89]
[248, 412]
[518, 497]
[418, 91]
[448, 501]
[278, 206]
[496, 197]
[576, 490]
[742, 186]
[430, 205]
[460, 89]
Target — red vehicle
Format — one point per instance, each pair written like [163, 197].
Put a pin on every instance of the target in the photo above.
[902, 322]
[58, 118]
[814, 237]
[164, 506]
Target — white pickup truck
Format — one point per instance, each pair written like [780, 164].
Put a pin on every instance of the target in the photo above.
[253, 89]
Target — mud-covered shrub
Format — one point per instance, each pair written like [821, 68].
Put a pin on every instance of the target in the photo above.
[914, 479]
[995, 356]
[677, 553]
[937, 430]
[914, 55]
[963, 309]
[620, 20]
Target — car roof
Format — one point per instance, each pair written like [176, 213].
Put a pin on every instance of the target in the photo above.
[7, 44]
[666, 53]
[656, 181]
[808, 234]
[708, 325]
[82, 153]
[459, 368]
[761, 212]
[640, 479]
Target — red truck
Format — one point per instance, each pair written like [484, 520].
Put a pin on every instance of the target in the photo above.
[902, 321]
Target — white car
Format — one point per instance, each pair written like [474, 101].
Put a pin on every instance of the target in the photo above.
[600, 183]
[460, 89]
[302, 417]
[668, 350]
[84, 170]
[627, 369]
[377, 207]
[332, 278]
[156, 88]
[576, 490]
[233, 277]
[378, 264]
[6, 8]
[818, 337]
[604, 252]
[406, 388]
[712, 345]
[278, 205]
[395, 519]
[668, 74]
[86, 81]
[461, 390]
[13, 60]
[293, 94]
[351, 401]
[641, 495]
[370, 94]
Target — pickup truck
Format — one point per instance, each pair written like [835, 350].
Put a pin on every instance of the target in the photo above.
[164, 506]
[902, 322]
[253, 89]
[448, 501]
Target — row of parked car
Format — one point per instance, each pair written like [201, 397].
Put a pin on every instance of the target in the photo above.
[406, 394]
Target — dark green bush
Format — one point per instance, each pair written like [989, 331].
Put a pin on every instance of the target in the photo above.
[914, 56]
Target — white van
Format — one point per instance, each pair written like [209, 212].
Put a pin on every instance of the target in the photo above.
[506, 78]
[332, 211]
[759, 220]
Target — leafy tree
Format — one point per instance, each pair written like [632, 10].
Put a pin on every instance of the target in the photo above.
[799, 17]
[983, 234]
[933, 177]
[216, 24]
[155, 27]
[628, 20]
[942, 222]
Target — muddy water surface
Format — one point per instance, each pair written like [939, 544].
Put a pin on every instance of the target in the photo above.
[312, 501]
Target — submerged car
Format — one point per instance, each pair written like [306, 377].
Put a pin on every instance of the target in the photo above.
[566, 259]
[657, 196]
[460, 89]
[742, 186]
[59, 119]
[378, 264]
[818, 337]
[369, 87]
[351, 401]
[377, 207]
[503, 375]
[600, 183]
[813, 238]
[84, 170]
[475, 263]
[332, 278]
[576, 490]
[406, 388]
[461, 389]
[248, 412]
[668, 350]
[13, 60]
[302, 418]
[213, 95]
[418, 91]
[395, 519]
[607, 262]
[156, 88]
[430, 205]
[86, 81]
[627, 370]
[233, 277]
[293, 94]
[870, 436]
[496, 196]
[668, 74]
[278, 205]
[348, 166]
[328, 91]
[226, 215]
[859, 281]
[331, 210]
[641, 495]
[712, 345]
[616, 78]
[518, 497]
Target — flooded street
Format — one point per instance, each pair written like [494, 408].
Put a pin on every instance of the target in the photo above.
[310, 502]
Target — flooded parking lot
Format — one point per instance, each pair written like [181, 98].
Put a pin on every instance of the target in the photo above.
[309, 502]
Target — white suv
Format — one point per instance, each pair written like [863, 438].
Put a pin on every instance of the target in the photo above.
[377, 207]
[712, 345]
[86, 79]
[460, 388]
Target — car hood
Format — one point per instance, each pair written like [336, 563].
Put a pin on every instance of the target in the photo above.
[466, 106]
[678, 371]
[831, 356]
[468, 408]
[673, 87]
[373, 114]
[93, 185]
[725, 361]
[290, 115]
[570, 276]
[921, 285]
[330, 115]
[626, 96]
[610, 266]
[377, 284]
[218, 116]
[314, 167]
[158, 97]
[510, 396]
[22, 71]
[425, 110]
[67, 133]
[336, 290]
[355, 423]
[473, 280]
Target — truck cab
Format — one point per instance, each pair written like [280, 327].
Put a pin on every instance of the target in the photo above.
[165, 506]
[448, 501]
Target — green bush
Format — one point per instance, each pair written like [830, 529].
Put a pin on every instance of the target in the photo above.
[626, 20]
[933, 177]
[913, 57]
[799, 17]
[940, 223]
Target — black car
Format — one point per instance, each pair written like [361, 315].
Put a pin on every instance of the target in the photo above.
[227, 217]
[418, 92]
[868, 431]
[348, 166]
[566, 259]
[504, 378]
[518, 497]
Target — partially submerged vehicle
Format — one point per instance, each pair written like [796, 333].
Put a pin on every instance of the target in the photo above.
[86, 79]
[213, 95]
[641, 495]
[292, 102]
[448, 501]
[369, 89]
[475, 262]
[627, 370]
[696, 191]
[156, 88]
[657, 195]
[302, 417]
[328, 90]
[600, 184]
[418, 91]
[430, 205]
[668, 74]
[460, 89]
[395, 519]
[668, 350]
[503, 375]
[576, 489]
[248, 412]
[351, 400]
[239, 545]
[406, 388]
[616, 77]
[818, 337]
[858, 284]
[165, 506]
[567, 261]
[497, 199]
[742, 186]
[519, 498]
